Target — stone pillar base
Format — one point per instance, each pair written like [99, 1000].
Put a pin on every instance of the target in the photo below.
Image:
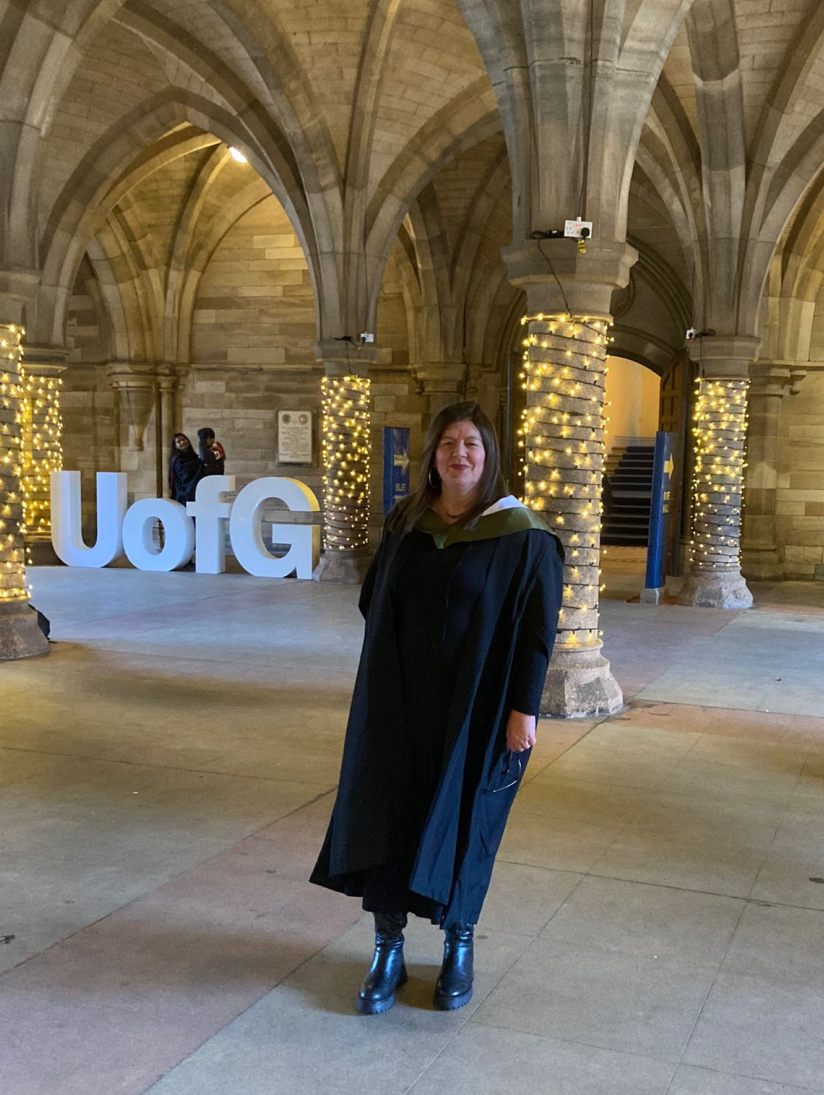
[580, 685]
[344, 567]
[725, 589]
[20, 637]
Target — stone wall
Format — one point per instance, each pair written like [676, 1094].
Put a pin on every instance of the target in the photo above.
[90, 418]
[800, 494]
[256, 306]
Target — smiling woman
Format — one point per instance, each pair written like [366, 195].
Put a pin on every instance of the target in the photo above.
[459, 459]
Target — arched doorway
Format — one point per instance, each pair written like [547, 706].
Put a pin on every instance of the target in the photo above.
[633, 395]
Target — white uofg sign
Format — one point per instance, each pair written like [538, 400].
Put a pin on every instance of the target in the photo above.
[129, 530]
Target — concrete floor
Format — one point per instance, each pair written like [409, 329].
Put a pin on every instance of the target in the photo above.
[655, 925]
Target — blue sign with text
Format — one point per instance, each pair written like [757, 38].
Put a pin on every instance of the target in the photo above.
[395, 465]
[659, 510]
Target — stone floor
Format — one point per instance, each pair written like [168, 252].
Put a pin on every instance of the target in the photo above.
[656, 922]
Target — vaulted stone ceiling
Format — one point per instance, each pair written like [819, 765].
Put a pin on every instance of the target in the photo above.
[358, 118]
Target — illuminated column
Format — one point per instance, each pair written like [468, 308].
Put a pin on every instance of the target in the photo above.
[720, 431]
[42, 447]
[20, 637]
[346, 450]
[564, 279]
[346, 447]
[562, 439]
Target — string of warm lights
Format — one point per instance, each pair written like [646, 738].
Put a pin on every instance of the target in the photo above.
[720, 430]
[562, 443]
[12, 570]
[42, 451]
[346, 451]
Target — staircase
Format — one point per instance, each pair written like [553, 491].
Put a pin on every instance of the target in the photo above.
[630, 475]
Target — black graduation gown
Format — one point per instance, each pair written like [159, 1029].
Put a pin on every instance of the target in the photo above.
[462, 832]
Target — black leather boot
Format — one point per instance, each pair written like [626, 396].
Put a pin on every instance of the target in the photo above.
[388, 971]
[454, 986]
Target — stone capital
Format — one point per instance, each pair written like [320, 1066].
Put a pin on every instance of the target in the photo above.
[588, 280]
[440, 376]
[17, 289]
[346, 358]
[131, 374]
[798, 373]
[42, 360]
[770, 378]
[167, 376]
[135, 383]
[726, 357]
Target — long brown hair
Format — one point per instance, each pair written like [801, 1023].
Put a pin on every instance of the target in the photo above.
[491, 486]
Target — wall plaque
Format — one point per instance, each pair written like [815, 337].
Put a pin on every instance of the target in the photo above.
[294, 437]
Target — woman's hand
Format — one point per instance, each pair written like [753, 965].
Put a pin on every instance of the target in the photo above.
[520, 731]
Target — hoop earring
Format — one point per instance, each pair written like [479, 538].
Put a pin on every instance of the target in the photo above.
[429, 478]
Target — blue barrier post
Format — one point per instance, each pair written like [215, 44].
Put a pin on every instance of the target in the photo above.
[659, 513]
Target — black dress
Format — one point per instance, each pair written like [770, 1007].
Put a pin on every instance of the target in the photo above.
[434, 592]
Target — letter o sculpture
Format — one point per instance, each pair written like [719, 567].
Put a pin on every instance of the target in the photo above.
[137, 534]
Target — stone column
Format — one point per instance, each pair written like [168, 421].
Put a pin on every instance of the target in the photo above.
[20, 637]
[720, 432]
[768, 384]
[167, 423]
[346, 445]
[442, 383]
[566, 333]
[42, 444]
[167, 383]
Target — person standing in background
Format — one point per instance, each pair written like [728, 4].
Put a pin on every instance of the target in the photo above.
[212, 453]
[184, 469]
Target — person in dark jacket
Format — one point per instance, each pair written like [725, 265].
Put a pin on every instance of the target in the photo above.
[212, 453]
[184, 470]
[461, 606]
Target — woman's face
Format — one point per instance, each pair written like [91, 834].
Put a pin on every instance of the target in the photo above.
[460, 456]
[181, 443]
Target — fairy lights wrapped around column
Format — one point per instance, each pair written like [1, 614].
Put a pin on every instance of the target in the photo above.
[12, 569]
[42, 450]
[346, 451]
[562, 438]
[720, 432]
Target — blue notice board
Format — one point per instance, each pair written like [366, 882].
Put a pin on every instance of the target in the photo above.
[395, 465]
[659, 511]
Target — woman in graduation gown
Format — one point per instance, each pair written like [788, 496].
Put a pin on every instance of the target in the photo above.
[461, 606]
